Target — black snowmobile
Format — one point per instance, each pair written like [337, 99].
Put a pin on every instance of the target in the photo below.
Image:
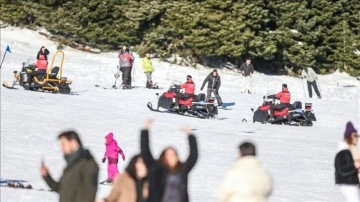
[50, 81]
[197, 106]
[292, 115]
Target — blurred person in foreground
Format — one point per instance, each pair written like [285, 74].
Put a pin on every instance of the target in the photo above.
[246, 180]
[347, 164]
[132, 184]
[80, 176]
[168, 176]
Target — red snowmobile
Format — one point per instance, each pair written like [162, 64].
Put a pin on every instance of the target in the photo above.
[195, 106]
[292, 115]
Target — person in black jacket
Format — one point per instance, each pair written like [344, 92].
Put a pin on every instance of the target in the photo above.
[168, 176]
[347, 165]
[214, 83]
[247, 70]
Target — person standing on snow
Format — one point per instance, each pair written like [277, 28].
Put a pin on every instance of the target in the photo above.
[112, 151]
[246, 180]
[126, 60]
[168, 176]
[148, 69]
[189, 87]
[247, 70]
[284, 96]
[347, 165]
[311, 78]
[214, 83]
[79, 180]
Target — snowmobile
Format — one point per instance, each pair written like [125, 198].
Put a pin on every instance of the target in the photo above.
[292, 115]
[51, 81]
[196, 106]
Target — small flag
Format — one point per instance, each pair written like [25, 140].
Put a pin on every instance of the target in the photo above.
[8, 49]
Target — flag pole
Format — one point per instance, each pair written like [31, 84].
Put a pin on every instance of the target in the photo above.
[7, 50]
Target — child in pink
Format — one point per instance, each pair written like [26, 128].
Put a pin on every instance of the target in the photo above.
[112, 154]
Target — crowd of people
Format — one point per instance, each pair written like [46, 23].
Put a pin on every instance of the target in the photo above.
[165, 179]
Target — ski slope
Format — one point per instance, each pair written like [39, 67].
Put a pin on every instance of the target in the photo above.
[300, 159]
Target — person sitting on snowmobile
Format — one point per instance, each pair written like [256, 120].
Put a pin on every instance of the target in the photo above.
[284, 97]
[41, 65]
[189, 87]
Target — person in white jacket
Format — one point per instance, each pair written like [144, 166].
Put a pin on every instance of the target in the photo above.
[246, 180]
[311, 78]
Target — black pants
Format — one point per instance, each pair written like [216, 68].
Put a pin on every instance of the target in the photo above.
[216, 93]
[38, 74]
[126, 76]
[314, 85]
[280, 107]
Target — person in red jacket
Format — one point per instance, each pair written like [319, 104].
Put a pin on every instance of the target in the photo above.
[284, 96]
[189, 87]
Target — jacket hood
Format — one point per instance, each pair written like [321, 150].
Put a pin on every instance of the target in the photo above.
[109, 137]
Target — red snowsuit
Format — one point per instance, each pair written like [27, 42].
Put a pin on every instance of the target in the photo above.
[282, 109]
[186, 97]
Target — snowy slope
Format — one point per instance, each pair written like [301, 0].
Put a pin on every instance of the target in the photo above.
[299, 158]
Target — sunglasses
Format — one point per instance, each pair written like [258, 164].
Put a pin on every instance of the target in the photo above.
[357, 136]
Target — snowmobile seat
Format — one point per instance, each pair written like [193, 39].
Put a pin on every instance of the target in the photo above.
[54, 72]
[200, 97]
[297, 105]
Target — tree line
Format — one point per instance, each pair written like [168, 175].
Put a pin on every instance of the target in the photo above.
[276, 34]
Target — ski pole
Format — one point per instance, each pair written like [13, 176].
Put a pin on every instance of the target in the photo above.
[302, 82]
[318, 84]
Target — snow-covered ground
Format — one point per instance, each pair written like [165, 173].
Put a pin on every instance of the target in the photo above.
[300, 159]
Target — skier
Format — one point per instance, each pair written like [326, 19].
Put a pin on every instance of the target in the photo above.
[131, 185]
[112, 155]
[284, 97]
[168, 176]
[148, 69]
[214, 83]
[246, 180]
[247, 70]
[347, 165]
[311, 78]
[80, 176]
[189, 87]
[125, 63]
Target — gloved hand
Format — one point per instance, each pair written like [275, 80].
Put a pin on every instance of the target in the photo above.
[201, 88]
[103, 160]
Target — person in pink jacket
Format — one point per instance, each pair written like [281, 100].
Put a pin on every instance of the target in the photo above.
[112, 155]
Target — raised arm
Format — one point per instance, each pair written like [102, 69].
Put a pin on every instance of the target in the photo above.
[144, 145]
[193, 156]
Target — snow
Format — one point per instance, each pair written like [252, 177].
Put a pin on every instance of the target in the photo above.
[300, 159]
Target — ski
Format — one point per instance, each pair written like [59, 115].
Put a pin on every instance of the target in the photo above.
[5, 84]
[19, 184]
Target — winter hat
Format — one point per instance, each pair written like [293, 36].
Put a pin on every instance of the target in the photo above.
[188, 77]
[284, 85]
[215, 70]
[109, 136]
[349, 129]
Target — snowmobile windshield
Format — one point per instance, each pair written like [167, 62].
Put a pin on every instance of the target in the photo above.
[29, 62]
[174, 83]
